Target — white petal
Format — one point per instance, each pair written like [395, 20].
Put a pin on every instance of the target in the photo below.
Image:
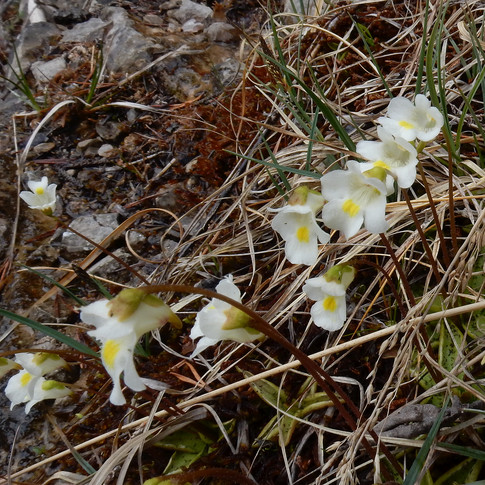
[131, 377]
[317, 288]
[298, 252]
[334, 217]
[227, 288]
[33, 185]
[422, 102]
[286, 224]
[117, 355]
[335, 185]
[393, 127]
[116, 397]
[369, 149]
[329, 320]
[211, 321]
[405, 176]
[196, 331]
[96, 313]
[375, 216]
[400, 108]
[20, 387]
[203, 344]
[29, 198]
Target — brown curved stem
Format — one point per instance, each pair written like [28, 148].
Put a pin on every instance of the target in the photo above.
[321, 376]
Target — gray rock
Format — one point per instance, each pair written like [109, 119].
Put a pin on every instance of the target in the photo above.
[89, 31]
[191, 10]
[64, 10]
[192, 26]
[228, 71]
[43, 148]
[109, 130]
[152, 19]
[33, 43]
[111, 269]
[136, 240]
[222, 32]
[45, 71]
[89, 147]
[185, 83]
[125, 49]
[95, 227]
[106, 150]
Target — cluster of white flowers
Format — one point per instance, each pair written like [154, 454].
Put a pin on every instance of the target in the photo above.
[28, 385]
[355, 197]
[349, 199]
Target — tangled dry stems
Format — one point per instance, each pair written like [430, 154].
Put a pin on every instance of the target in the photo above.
[235, 223]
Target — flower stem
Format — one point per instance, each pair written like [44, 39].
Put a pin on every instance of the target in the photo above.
[429, 253]
[322, 377]
[439, 229]
[397, 265]
[409, 292]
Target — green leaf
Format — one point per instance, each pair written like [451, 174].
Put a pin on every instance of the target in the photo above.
[185, 440]
[269, 392]
[68, 292]
[465, 472]
[451, 338]
[60, 337]
[465, 451]
[476, 327]
[417, 466]
[183, 459]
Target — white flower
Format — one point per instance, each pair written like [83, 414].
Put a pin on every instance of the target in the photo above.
[20, 388]
[119, 325]
[393, 153]
[410, 120]
[47, 389]
[28, 385]
[355, 197]
[297, 225]
[6, 365]
[219, 320]
[40, 363]
[42, 196]
[330, 310]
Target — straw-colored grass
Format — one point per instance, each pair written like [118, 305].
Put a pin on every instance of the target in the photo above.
[380, 354]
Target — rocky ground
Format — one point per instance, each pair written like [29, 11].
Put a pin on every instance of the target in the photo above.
[134, 100]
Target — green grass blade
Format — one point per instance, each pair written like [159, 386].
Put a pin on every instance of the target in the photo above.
[314, 129]
[366, 39]
[464, 451]
[433, 56]
[416, 468]
[84, 276]
[318, 99]
[422, 54]
[277, 166]
[68, 292]
[297, 171]
[50, 332]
